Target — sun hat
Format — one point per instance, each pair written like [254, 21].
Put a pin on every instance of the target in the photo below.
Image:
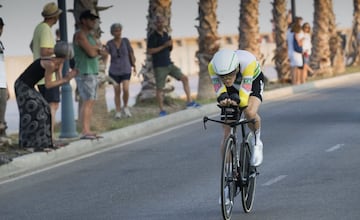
[87, 14]
[51, 10]
[63, 49]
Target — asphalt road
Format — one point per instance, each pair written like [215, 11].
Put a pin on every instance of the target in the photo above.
[310, 170]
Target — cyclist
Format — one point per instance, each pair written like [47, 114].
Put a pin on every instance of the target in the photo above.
[238, 80]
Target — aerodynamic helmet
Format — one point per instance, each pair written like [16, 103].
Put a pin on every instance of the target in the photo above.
[225, 61]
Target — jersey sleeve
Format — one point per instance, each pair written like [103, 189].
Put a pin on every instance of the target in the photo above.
[251, 71]
[219, 86]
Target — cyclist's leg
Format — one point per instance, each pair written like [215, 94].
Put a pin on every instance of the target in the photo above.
[255, 141]
[252, 112]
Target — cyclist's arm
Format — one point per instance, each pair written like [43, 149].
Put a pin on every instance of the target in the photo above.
[218, 85]
[250, 72]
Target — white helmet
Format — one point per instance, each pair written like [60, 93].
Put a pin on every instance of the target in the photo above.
[225, 61]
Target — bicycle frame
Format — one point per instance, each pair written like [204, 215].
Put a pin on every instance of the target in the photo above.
[233, 133]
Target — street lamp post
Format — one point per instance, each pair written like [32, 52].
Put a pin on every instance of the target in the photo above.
[68, 127]
[293, 10]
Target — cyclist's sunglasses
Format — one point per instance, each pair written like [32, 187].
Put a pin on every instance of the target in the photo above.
[230, 75]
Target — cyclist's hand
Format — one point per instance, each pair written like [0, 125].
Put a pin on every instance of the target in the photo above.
[235, 97]
[228, 102]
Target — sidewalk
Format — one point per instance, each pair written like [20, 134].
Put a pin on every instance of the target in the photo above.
[12, 112]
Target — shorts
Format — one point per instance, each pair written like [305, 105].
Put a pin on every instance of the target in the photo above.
[87, 86]
[50, 95]
[258, 87]
[162, 72]
[120, 78]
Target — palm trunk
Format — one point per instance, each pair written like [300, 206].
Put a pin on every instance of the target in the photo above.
[208, 45]
[336, 51]
[281, 57]
[320, 53]
[249, 27]
[355, 40]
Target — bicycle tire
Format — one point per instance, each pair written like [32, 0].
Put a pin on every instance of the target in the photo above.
[228, 178]
[249, 179]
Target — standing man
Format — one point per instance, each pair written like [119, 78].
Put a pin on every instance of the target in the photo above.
[159, 45]
[86, 56]
[42, 46]
[4, 90]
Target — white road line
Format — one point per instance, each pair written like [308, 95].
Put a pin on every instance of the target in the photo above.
[274, 180]
[334, 148]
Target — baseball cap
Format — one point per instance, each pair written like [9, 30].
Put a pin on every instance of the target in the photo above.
[88, 15]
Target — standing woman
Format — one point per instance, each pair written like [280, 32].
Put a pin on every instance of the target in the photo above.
[306, 51]
[35, 116]
[122, 61]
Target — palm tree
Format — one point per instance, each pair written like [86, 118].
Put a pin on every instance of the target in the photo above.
[208, 45]
[354, 50]
[281, 57]
[336, 51]
[163, 8]
[320, 53]
[249, 27]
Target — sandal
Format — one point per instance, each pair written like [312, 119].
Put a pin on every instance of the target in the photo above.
[88, 136]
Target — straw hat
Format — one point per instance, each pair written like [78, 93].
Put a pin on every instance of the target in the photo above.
[51, 10]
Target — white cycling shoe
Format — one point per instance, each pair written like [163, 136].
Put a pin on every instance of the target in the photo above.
[257, 154]
[227, 200]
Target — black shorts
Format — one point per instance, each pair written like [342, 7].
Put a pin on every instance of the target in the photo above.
[120, 78]
[50, 95]
[258, 87]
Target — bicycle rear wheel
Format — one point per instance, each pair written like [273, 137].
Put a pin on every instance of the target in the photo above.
[228, 184]
[248, 174]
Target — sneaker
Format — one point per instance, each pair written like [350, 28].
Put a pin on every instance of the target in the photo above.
[257, 154]
[193, 104]
[162, 113]
[118, 115]
[127, 112]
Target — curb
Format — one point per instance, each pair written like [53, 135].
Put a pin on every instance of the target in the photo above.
[36, 161]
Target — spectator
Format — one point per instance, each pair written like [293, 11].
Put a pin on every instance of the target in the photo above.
[121, 64]
[86, 61]
[4, 90]
[34, 110]
[296, 58]
[42, 46]
[159, 45]
[306, 51]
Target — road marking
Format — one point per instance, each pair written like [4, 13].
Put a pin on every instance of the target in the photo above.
[334, 148]
[274, 180]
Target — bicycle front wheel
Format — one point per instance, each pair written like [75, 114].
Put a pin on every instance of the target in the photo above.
[248, 174]
[228, 179]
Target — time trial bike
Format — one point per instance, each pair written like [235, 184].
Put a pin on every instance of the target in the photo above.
[237, 174]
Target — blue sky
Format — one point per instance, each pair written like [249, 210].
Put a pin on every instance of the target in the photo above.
[21, 17]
